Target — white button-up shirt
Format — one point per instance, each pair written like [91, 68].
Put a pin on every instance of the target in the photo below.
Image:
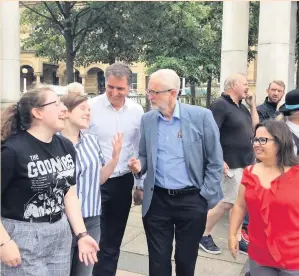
[106, 121]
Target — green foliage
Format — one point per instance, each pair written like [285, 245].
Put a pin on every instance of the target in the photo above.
[184, 35]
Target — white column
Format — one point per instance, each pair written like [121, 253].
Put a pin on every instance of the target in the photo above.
[83, 79]
[234, 48]
[9, 51]
[276, 46]
[37, 75]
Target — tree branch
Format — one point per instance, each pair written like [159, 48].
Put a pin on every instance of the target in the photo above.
[53, 16]
[36, 12]
[61, 9]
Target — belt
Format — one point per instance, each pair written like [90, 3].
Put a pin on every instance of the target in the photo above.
[184, 191]
[50, 218]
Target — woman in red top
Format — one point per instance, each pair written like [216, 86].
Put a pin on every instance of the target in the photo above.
[270, 194]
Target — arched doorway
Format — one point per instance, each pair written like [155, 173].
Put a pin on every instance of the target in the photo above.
[49, 74]
[26, 76]
[95, 81]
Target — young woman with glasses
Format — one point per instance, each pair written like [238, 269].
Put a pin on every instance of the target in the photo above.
[38, 190]
[91, 169]
[270, 194]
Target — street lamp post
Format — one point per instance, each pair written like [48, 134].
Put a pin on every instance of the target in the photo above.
[24, 71]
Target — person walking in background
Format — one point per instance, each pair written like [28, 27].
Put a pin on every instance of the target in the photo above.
[236, 126]
[113, 112]
[38, 190]
[90, 167]
[181, 155]
[270, 193]
[290, 114]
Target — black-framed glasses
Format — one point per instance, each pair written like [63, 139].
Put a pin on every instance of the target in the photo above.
[57, 103]
[153, 92]
[261, 140]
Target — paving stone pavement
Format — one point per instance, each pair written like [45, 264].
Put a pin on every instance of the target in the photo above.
[133, 259]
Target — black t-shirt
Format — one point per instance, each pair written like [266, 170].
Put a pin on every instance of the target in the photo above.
[35, 176]
[235, 126]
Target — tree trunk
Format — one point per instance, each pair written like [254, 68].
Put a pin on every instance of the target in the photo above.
[69, 58]
[69, 40]
[192, 88]
[209, 91]
[111, 59]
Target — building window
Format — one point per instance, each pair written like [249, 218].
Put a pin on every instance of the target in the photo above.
[134, 81]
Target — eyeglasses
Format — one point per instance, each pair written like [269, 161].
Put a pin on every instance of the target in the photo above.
[261, 140]
[57, 103]
[153, 92]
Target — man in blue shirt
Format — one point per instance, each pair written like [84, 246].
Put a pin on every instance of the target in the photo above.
[181, 155]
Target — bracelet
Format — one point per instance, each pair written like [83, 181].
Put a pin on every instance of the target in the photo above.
[5, 242]
[82, 235]
[139, 188]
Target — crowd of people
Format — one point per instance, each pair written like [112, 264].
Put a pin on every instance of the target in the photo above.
[69, 164]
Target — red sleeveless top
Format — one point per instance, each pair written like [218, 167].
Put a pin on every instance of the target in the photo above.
[274, 219]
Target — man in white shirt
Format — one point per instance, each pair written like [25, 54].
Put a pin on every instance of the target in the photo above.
[112, 112]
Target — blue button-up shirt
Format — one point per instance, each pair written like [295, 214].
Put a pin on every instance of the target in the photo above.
[171, 171]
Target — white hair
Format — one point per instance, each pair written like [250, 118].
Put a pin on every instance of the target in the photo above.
[232, 79]
[75, 87]
[168, 78]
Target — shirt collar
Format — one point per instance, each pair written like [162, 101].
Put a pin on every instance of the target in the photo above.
[273, 105]
[230, 100]
[294, 128]
[176, 112]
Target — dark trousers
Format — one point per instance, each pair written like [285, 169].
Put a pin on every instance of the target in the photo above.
[116, 203]
[93, 226]
[182, 216]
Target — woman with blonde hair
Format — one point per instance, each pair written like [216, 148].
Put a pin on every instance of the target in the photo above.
[38, 190]
[270, 194]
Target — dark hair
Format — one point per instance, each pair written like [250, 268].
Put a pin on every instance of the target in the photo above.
[72, 99]
[18, 116]
[119, 70]
[283, 139]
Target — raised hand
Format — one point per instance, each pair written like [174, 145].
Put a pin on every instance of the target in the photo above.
[117, 143]
[250, 99]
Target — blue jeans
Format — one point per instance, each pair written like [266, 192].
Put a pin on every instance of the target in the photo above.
[93, 227]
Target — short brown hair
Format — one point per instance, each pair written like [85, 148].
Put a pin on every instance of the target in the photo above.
[120, 70]
[73, 99]
[278, 82]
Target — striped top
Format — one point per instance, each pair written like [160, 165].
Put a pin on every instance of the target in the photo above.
[89, 160]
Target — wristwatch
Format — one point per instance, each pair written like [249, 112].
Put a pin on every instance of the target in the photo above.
[82, 235]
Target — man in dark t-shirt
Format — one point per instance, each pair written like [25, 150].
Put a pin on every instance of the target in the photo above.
[236, 126]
